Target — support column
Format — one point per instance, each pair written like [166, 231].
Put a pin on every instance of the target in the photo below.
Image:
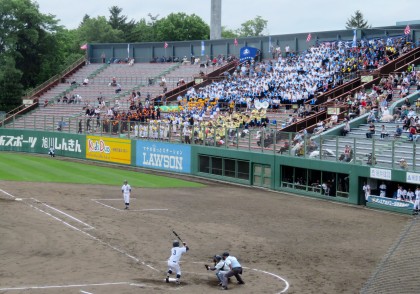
[216, 20]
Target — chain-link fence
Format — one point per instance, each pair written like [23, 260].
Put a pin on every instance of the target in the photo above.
[398, 271]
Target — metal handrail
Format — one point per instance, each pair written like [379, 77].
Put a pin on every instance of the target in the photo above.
[31, 93]
[15, 110]
[269, 140]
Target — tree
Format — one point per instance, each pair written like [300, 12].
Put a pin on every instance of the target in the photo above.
[228, 33]
[357, 21]
[10, 84]
[181, 27]
[143, 32]
[98, 30]
[28, 37]
[119, 22]
[253, 27]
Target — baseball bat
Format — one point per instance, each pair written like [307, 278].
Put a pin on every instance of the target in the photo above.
[179, 238]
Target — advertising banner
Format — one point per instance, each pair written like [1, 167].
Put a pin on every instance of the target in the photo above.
[108, 149]
[69, 145]
[164, 156]
[413, 178]
[379, 173]
[390, 202]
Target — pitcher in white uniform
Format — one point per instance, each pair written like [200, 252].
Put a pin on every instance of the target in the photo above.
[126, 191]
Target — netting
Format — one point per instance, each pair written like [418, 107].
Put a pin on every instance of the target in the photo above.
[397, 272]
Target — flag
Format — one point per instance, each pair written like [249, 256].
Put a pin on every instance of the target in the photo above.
[269, 44]
[354, 44]
[203, 49]
[84, 47]
[308, 38]
[128, 50]
[235, 42]
[166, 45]
[407, 30]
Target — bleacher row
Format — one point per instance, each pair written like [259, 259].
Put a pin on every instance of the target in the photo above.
[267, 139]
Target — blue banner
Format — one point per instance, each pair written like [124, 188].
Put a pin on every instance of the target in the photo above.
[203, 49]
[354, 43]
[248, 53]
[164, 156]
[390, 202]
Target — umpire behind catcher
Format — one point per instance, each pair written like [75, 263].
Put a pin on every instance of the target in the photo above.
[235, 270]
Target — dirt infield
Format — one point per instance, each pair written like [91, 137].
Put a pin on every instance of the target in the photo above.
[61, 238]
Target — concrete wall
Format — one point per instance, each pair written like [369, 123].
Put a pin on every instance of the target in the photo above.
[144, 52]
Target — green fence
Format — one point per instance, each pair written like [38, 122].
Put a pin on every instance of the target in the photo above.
[68, 145]
[375, 152]
[325, 179]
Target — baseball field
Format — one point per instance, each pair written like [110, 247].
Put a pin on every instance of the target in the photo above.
[64, 230]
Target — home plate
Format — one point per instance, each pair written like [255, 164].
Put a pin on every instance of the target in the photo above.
[171, 280]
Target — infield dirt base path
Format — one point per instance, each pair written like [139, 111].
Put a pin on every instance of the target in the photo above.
[58, 236]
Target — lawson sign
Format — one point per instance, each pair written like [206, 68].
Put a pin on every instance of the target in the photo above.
[164, 156]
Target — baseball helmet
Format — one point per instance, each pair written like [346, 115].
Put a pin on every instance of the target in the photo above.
[175, 243]
[217, 258]
[225, 254]
[125, 182]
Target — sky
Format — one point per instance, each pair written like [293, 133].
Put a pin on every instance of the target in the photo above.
[284, 17]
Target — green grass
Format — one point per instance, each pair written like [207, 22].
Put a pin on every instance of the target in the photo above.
[29, 168]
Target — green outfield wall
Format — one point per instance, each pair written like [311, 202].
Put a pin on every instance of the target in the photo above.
[68, 145]
[330, 180]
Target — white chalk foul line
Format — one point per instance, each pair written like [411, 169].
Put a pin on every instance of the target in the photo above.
[132, 210]
[273, 275]
[116, 249]
[264, 272]
[113, 199]
[87, 234]
[8, 194]
[109, 206]
[89, 227]
[63, 286]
